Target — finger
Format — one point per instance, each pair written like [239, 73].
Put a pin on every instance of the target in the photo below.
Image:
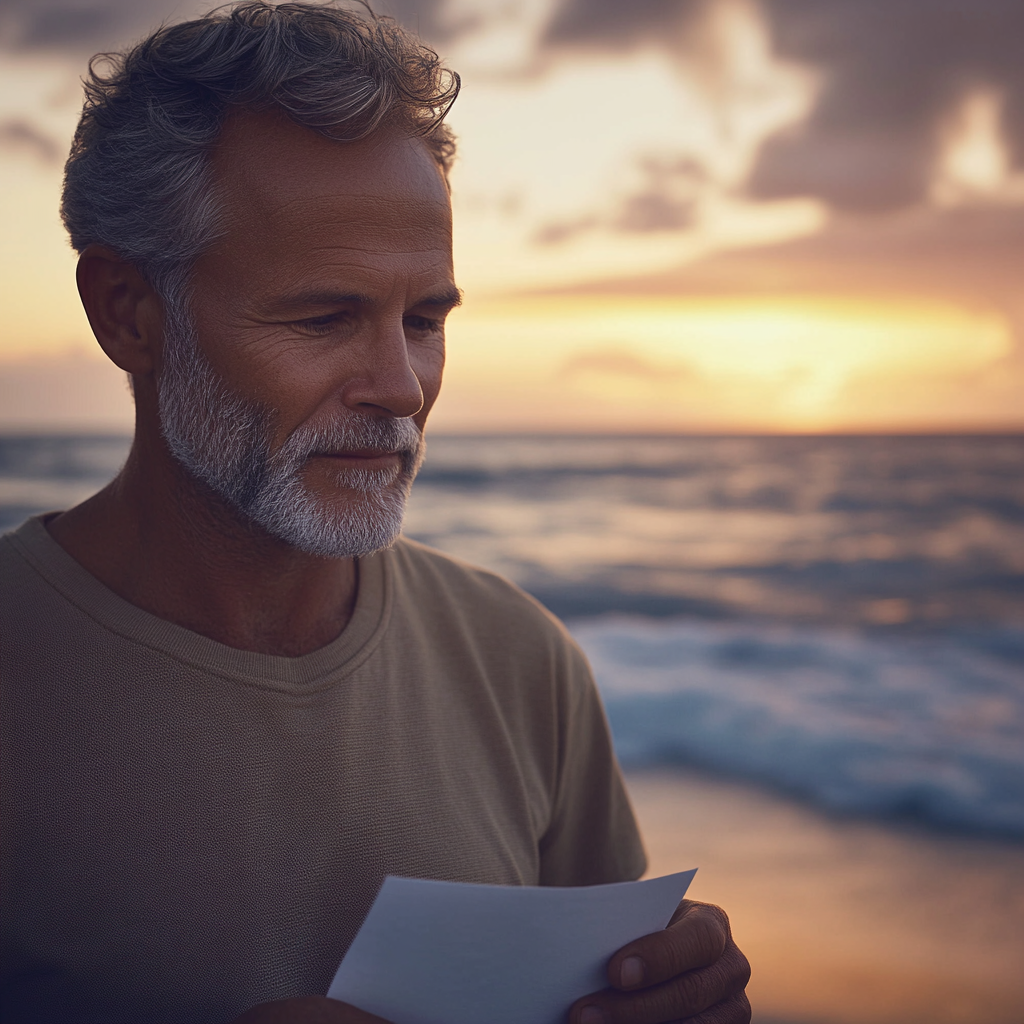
[684, 997]
[696, 936]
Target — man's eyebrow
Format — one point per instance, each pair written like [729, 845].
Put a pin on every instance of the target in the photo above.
[297, 300]
[447, 299]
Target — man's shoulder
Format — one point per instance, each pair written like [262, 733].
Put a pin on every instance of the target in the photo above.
[31, 603]
[484, 626]
[455, 587]
[17, 561]
[419, 565]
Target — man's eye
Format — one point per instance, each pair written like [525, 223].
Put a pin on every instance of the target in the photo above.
[321, 324]
[423, 324]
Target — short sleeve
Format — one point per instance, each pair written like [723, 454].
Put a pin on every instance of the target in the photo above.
[593, 836]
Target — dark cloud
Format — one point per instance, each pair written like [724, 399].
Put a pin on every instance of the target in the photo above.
[67, 26]
[429, 19]
[617, 24]
[22, 136]
[668, 200]
[891, 71]
[85, 26]
[655, 211]
[82, 26]
[560, 231]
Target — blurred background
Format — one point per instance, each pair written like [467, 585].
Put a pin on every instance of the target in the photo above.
[738, 391]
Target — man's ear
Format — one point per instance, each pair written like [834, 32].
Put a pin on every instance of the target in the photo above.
[125, 314]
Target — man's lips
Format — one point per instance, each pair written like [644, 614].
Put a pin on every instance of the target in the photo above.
[359, 455]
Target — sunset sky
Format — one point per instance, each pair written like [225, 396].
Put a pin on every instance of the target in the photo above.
[705, 215]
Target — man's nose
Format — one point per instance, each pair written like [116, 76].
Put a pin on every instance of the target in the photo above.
[384, 380]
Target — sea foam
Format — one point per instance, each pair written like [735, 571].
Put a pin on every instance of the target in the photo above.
[872, 724]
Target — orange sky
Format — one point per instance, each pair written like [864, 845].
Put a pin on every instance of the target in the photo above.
[625, 266]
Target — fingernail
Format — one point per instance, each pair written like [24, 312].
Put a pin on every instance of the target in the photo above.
[631, 972]
[591, 1015]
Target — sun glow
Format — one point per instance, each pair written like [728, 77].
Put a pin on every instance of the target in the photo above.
[786, 362]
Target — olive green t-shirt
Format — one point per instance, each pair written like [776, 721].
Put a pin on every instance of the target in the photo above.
[190, 829]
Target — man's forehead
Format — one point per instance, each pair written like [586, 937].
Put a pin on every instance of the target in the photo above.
[265, 162]
[300, 211]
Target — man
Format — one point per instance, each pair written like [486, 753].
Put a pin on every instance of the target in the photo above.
[233, 701]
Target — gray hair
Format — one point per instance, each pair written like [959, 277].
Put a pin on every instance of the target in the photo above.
[138, 179]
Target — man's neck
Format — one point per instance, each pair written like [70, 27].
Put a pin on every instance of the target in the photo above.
[164, 542]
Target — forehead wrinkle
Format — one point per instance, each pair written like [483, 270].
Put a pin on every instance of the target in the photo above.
[344, 207]
[398, 223]
[255, 200]
[308, 226]
[326, 270]
[327, 283]
[388, 256]
[258, 146]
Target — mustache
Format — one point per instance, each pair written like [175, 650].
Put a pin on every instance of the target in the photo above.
[353, 433]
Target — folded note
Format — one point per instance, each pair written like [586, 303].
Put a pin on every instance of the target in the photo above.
[454, 953]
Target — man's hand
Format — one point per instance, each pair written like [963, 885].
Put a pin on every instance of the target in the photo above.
[307, 1010]
[692, 971]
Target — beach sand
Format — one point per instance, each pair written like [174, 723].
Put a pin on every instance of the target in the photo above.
[846, 921]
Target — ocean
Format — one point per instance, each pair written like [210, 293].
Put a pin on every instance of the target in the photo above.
[841, 618]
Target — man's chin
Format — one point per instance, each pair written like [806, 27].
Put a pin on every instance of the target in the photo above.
[343, 498]
[336, 480]
[340, 524]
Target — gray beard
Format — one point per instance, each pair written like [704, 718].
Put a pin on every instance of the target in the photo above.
[224, 440]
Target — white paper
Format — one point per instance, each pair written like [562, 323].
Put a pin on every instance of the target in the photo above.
[454, 953]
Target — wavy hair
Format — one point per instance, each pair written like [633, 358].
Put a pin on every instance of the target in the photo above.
[138, 179]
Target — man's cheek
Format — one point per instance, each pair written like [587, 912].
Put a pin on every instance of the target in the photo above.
[429, 373]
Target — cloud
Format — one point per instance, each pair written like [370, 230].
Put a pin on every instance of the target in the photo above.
[431, 19]
[22, 136]
[891, 74]
[615, 25]
[668, 199]
[955, 272]
[968, 257]
[85, 26]
[620, 363]
[967, 252]
[558, 231]
[63, 26]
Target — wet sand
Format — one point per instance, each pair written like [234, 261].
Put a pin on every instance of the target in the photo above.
[846, 921]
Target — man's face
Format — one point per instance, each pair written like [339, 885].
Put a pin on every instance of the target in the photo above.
[318, 331]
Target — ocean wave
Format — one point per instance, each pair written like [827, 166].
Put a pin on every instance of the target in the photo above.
[880, 725]
[782, 546]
